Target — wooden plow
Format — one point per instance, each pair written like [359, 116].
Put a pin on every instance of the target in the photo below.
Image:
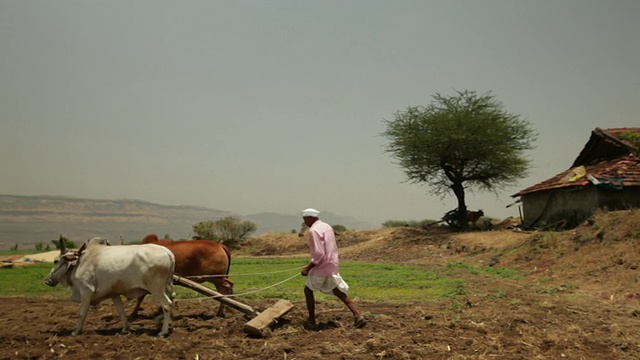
[450, 217]
[260, 324]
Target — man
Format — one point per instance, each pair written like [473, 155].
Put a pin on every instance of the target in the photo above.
[322, 271]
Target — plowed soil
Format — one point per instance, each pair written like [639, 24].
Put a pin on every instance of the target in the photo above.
[579, 298]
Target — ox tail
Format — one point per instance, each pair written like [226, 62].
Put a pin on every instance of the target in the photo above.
[169, 285]
[228, 283]
[227, 251]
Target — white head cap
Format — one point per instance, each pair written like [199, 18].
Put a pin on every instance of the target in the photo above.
[310, 212]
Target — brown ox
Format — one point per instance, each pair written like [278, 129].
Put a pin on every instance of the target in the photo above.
[473, 216]
[199, 260]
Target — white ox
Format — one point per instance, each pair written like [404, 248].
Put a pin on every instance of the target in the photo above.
[97, 272]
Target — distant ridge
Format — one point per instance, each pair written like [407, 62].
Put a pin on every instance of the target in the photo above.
[31, 219]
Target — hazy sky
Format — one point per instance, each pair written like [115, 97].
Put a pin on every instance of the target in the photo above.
[275, 106]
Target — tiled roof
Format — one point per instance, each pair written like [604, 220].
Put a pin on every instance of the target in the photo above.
[624, 171]
[618, 131]
[605, 144]
[606, 159]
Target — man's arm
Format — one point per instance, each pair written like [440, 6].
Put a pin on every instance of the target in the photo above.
[305, 270]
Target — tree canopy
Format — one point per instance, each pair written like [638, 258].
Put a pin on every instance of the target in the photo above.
[458, 142]
[227, 230]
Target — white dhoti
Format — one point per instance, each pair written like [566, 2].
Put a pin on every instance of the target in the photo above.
[326, 284]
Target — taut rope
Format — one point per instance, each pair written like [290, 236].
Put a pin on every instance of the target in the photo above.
[245, 293]
[246, 274]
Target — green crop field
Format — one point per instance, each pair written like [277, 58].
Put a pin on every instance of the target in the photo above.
[271, 278]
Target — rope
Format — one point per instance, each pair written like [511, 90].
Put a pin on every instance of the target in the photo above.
[241, 294]
[271, 272]
[264, 288]
[245, 274]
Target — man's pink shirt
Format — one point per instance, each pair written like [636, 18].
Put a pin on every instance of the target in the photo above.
[324, 250]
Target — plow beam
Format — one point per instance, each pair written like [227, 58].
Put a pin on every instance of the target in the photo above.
[258, 326]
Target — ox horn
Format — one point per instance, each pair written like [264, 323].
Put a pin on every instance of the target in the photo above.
[82, 248]
[62, 248]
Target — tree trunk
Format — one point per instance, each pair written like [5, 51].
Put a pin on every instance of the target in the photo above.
[458, 190]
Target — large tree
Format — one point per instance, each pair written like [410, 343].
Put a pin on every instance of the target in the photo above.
[458, 142]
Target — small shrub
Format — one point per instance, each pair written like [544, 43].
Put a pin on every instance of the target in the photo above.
[229, 230]
[426, 222]
[405, 223]
[394, 223]
[339, 228]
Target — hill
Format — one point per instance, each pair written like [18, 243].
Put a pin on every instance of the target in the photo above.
[607, 239]
[27, 220]
[32, 219]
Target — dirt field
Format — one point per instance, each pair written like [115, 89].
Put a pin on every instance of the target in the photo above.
[579, 298]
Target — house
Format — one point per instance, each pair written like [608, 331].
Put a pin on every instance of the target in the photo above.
[605, 175]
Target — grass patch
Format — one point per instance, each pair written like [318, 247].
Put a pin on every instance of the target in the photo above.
[497, 272]
[544, 280]
[28, 280]
[277, 278]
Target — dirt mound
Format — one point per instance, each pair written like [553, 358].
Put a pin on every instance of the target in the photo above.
[604, 236]
[22, 260]
[48, 256]
[399, 245]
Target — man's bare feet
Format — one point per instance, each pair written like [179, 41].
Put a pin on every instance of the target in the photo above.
[360, 323]
[309, 325]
